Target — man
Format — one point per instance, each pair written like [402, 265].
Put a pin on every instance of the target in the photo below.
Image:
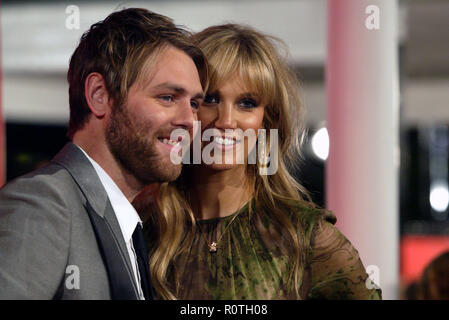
[68, 230]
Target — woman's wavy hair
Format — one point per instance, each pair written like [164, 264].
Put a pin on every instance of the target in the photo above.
[232, 49]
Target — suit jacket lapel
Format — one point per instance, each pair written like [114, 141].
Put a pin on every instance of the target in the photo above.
[120, 281]
[107, 229]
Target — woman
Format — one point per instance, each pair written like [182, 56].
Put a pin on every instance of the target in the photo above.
[223, 230]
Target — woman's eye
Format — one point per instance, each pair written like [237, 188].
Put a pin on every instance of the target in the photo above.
[248, 103]
[211, 99]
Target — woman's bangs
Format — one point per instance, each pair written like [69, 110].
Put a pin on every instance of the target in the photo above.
[255, 75]
[258, 80]
[222, 68]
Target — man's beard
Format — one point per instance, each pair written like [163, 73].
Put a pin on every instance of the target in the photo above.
[136, 151]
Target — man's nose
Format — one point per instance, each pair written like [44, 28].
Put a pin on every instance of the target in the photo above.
[184, 116]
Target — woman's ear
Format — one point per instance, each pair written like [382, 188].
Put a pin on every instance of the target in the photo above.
[97, 97]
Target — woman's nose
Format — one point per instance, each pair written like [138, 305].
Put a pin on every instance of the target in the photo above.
[226, 117]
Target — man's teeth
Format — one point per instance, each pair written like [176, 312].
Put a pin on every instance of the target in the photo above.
[170, 142]
[224, 141]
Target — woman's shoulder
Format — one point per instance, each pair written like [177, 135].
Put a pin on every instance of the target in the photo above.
[310, 215]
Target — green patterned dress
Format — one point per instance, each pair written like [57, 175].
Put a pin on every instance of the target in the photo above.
[253, 260]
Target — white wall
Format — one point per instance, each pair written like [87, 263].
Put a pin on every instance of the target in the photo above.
[35, 37]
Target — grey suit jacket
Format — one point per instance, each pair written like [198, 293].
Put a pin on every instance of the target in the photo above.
[59, 236]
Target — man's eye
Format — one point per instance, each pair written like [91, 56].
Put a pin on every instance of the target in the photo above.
[248, 103]
[194, 104]
[211, 99]
[166, 98]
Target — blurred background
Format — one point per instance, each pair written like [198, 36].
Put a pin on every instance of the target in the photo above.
[38, 37]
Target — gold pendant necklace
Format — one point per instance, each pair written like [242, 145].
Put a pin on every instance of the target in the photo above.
[213, 246]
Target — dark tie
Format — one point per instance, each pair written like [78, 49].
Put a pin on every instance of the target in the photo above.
[142, 261]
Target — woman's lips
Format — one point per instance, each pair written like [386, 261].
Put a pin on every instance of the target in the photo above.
[225, 143]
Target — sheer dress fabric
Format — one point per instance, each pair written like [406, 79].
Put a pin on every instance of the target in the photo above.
[253, 259]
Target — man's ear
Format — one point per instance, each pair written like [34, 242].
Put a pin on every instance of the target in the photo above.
[97, 97]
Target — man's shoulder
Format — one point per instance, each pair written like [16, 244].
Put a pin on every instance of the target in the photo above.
[51, 175]
[49, 184]
[56, 176]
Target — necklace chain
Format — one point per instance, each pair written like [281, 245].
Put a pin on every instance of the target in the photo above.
[213, 245]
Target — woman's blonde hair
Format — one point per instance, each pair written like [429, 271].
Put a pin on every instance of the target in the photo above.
[232, 49]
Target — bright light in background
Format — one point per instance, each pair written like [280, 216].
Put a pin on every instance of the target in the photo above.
[439, 197]
[320, 144]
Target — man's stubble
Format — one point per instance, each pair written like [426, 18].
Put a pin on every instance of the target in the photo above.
[132, 142]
